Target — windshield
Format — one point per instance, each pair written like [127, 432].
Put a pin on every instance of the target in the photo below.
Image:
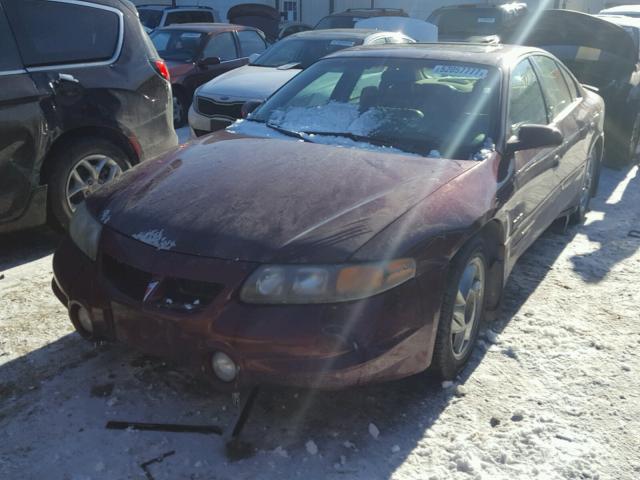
[426, 107]
[178, 45]
[337, 21]
[303, 52]
[150, 18]
[476, 21]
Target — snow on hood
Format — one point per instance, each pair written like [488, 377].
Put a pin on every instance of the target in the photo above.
[247, 83]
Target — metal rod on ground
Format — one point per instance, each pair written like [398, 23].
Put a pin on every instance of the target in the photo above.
[164, 427]
[244, 414]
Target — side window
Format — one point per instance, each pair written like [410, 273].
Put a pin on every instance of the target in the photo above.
[54, 33]
[554, 85]
[222, 46]
[251, 42]
[377, 41]
[573, 87]
[526, 103]
[9, 59]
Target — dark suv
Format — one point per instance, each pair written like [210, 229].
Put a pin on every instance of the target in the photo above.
[351, 16]
[478, 23]
[83, 97]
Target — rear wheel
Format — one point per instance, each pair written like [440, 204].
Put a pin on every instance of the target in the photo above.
[78, 169]
[588, 187]
[462, 311]
[622, 152]
[180, 109]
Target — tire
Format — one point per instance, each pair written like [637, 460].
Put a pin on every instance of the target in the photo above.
[621, 152]
[450, 354]
[586, 192]
[91, 162]
[180, 109]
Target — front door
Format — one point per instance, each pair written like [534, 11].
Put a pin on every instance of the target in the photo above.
[20, 126]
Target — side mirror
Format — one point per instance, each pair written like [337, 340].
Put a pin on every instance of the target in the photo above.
[535, 136]
[209, 62]
[253, 57]
[249, 107]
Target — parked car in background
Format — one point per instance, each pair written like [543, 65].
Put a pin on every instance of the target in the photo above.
[328, 241]
[351, 16]
[263, 17]
[418, 30]
[218, 103]
[290, 28]
[626, 10]
[605, 56]
[84, 97]
[479, 23]
[157, 16]
[196, 53]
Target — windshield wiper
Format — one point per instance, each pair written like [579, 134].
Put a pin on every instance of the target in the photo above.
[289, 133]
[378, 142]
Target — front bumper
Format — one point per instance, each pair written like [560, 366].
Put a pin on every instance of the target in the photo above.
[386, 337]
[202, 124]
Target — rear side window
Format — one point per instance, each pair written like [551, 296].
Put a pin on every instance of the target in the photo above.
[251, 42]
[9, 59]
[55, 33]
[526, 103]
[554, 85]
[222, 46]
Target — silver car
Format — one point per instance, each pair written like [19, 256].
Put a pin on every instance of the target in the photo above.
[218, 103]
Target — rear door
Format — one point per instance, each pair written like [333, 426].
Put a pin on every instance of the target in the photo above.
[21, 124]
[564, 111]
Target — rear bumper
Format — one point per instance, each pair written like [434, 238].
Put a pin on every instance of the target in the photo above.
[386, 337]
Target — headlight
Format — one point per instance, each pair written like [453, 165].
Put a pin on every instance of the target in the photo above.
[85, 231]
[300, 284]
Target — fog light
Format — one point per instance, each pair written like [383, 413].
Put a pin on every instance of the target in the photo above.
[85, 320]
[224, 368]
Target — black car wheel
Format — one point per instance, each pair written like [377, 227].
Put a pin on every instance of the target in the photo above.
[78, 170]
[180, 109]
[586, 193]
[462, 311]
[622, 152]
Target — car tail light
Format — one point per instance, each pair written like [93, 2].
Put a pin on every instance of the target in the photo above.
[161, 68]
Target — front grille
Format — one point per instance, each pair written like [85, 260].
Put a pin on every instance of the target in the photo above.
[160, 291]
[211, 108]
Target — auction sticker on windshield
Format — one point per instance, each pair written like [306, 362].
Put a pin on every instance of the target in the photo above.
[461, 71]
[342, 43]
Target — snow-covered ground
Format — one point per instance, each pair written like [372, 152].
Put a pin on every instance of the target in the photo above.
[553, 391]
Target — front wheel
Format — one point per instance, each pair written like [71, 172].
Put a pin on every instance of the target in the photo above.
[462, 311]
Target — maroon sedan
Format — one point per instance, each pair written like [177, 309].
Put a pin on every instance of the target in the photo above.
[198, 52]
[353, 229]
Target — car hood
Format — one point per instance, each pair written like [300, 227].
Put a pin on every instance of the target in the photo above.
[578, 37]
[247, 83]
[267, 200]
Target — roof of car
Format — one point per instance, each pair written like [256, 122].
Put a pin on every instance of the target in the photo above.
[621, 20]
[503, 6]
[621, 9]
[369, 12]
[153, 6]
[337, 33]
[480, 53]
[205, 27]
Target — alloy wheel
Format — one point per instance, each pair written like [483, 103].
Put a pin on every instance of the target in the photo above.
[88, 175]
[467, 310]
